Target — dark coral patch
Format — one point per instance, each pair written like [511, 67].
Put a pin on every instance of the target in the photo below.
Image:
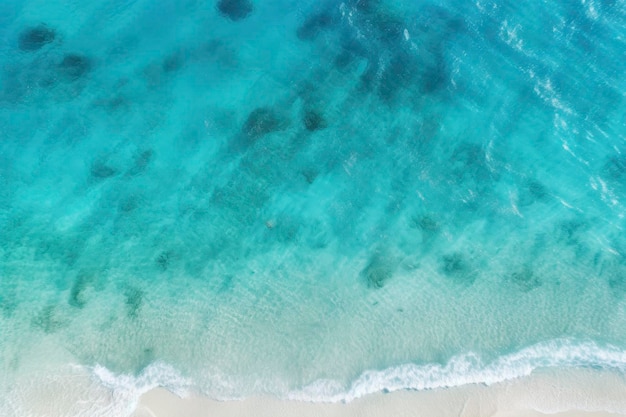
[533, 191]
[313, 121]
[141, 162]
[235, 9]
[425, 223]
[615, 168]
[378, 271]
[261, 121]
[537, 190]
[343, 59]
[571, 231]
[617, 283]
[314, 24]
[77, 292]
[469, 163]
[455, 266]
[100, 170]
[35, 38]
[133, 298]
[389, 28]
[129, 203]
[173, 63]
[309, 175]
[163, 260]
[398, 75]
[48, 320]
[468, 154]
[435, 76]
[525, 279]
[74, 66]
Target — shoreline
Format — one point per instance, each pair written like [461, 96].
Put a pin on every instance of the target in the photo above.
[74, 391]
[562, 392]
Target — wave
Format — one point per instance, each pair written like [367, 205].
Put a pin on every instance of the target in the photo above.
[468, 369]
[104, 393]
[73, 390]
[126, 389]
[463, 369]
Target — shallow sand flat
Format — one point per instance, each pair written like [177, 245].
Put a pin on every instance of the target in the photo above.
[563, 393]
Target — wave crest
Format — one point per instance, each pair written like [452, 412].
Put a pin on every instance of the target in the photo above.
[468, 369]
[463, 369]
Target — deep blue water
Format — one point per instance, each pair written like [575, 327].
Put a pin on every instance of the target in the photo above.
[310, 199]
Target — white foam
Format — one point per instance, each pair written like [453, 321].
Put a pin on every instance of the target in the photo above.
[157, 374]
[126, 388]
[76, 391]
[468, 369]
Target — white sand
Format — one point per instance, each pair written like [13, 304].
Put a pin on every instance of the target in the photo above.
[573, 393]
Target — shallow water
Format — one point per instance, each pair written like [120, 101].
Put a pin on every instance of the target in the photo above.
[312, 200]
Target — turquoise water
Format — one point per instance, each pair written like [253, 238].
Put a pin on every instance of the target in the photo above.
[313, 200]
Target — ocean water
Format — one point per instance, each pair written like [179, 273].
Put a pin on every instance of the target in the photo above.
[307, 199]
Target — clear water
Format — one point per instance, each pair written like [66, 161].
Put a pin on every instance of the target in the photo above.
[310, 199]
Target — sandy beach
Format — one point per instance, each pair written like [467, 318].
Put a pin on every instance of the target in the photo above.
[563, 393]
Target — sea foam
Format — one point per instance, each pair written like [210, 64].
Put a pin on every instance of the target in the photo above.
[468, 368]
[98, 391]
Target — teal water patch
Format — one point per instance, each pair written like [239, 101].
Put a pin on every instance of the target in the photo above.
[268, 195]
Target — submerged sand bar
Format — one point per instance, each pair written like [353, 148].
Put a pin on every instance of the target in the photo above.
[574, 393]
